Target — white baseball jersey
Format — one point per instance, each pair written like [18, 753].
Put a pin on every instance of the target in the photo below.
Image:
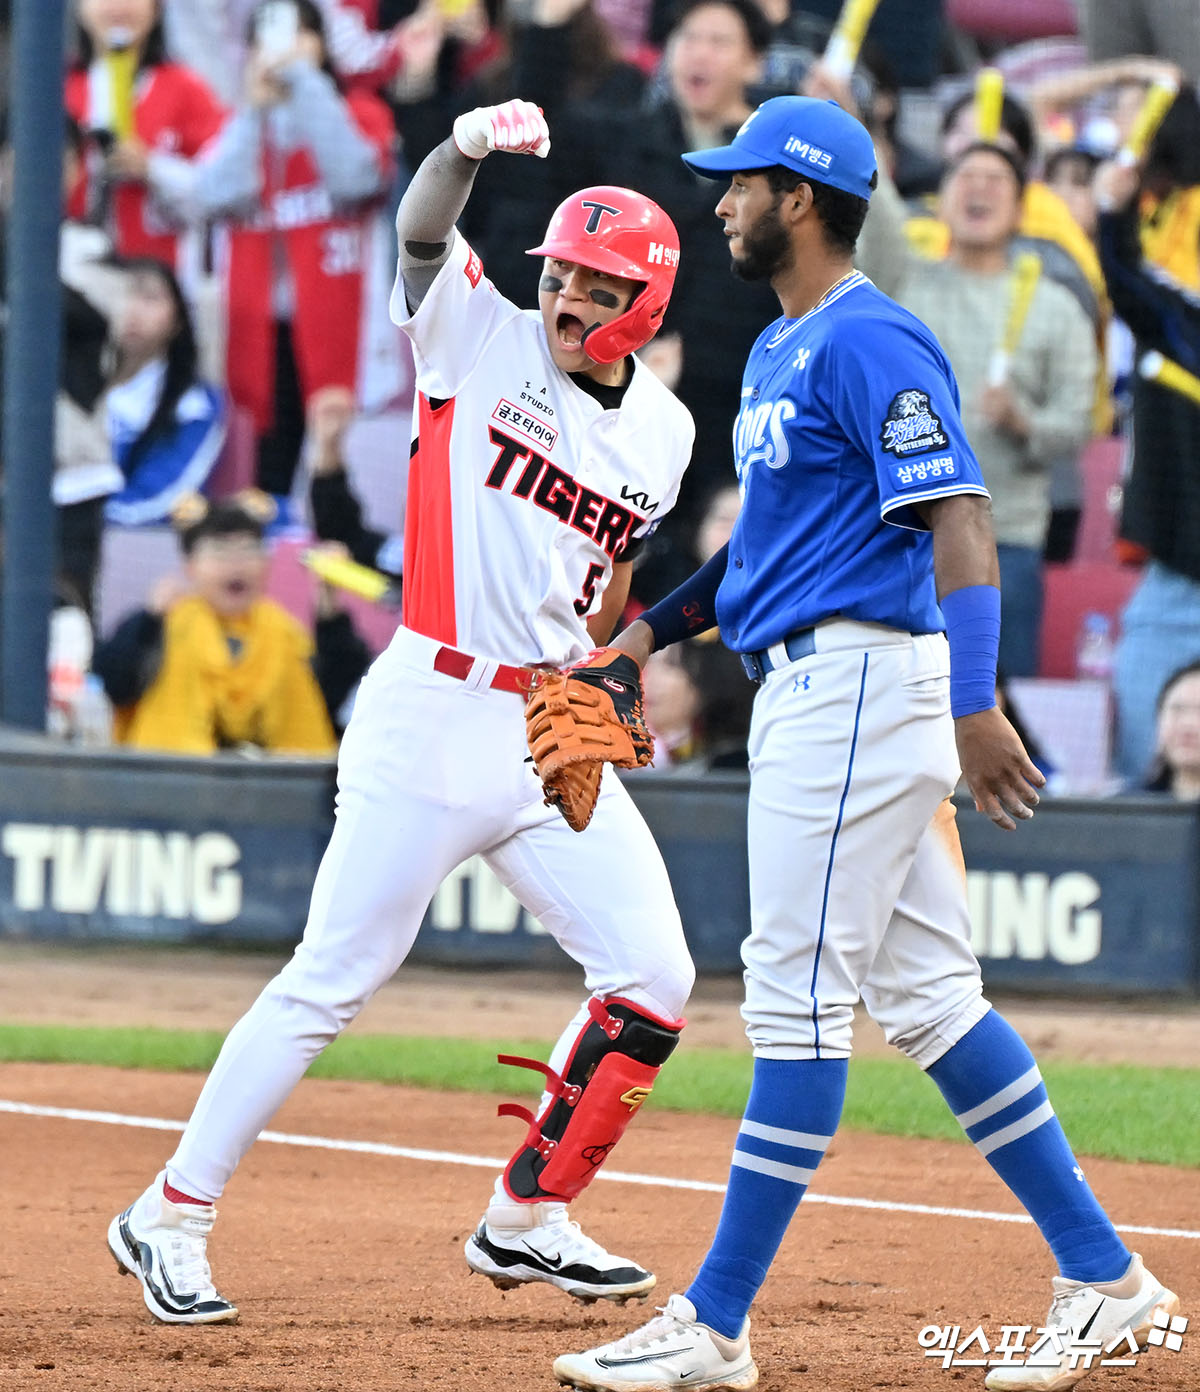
[523, 490]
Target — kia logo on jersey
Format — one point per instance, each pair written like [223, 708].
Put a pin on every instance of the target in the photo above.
[639, 498]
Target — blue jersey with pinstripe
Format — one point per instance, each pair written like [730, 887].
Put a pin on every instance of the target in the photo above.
[849, 415]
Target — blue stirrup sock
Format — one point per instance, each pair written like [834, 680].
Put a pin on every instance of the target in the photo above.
[993, 1087]
[794, 1109]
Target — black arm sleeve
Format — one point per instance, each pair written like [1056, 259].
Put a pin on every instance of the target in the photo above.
[128, 660]
[691, 608]
[337, 516]
[340, 661]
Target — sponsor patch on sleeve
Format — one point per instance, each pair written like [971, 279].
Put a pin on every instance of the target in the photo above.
[473, 270]
[910, 427]
[923, 471]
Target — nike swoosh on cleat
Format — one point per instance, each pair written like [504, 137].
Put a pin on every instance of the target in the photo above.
[144, 1254]
[555, 1261]
[162, 1288]
[167, 1295]
[1085, 1329]
[640, 1358]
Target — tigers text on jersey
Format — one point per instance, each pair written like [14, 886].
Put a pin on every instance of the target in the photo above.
[849, 416]
[523, 490]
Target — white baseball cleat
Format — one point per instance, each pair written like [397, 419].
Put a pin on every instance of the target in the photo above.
[672, 1351]
[518, 1243]
[1097, 1314]
[165, 1246]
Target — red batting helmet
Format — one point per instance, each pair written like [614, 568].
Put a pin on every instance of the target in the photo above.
[626, 234]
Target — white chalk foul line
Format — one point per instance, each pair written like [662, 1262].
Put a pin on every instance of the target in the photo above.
[487, 1162]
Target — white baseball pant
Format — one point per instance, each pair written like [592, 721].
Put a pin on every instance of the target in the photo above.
[853, 888]
[433, 770]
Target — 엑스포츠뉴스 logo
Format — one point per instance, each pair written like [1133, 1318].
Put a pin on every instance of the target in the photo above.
[910, 427]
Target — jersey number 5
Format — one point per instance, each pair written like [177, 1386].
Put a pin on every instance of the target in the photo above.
[584, 602]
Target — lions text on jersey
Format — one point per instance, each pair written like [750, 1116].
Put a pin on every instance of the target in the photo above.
[849, 416]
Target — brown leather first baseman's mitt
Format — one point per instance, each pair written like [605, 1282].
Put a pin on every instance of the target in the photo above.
[580, 719]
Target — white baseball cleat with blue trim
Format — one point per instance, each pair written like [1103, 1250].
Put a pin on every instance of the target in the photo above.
[165, 1245]
[1083, 1322]
[672, 1351]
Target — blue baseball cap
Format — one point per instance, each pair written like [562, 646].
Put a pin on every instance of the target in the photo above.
[806, 134]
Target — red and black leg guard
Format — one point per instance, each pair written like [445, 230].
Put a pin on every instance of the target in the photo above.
[608, 1075]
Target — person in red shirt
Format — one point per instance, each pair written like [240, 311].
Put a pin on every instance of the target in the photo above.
[147, 118]
[297, 176]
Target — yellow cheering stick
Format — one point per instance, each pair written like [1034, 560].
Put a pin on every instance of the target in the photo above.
[1156, 368]
[352, 577]
[1021, 285]
[841, 52]
[989, 103]
[120, 59]
[1157, 102]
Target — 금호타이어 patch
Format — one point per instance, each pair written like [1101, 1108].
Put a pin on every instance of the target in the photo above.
[910, 427]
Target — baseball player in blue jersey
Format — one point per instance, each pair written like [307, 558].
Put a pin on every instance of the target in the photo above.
[860, 587]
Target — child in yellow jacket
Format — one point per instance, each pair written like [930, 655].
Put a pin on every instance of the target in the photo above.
[212, 663]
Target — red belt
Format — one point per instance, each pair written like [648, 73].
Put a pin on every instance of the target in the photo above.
[452, 663]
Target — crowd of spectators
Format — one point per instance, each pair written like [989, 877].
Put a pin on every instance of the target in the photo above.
[231, 172]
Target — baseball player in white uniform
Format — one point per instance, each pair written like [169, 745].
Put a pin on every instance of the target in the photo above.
[542, 452]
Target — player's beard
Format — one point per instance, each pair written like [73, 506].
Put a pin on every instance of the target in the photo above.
[766, 247]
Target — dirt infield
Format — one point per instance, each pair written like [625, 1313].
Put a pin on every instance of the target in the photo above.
[348, 1268]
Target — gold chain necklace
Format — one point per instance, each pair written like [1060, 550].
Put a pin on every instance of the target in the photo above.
[832, 288]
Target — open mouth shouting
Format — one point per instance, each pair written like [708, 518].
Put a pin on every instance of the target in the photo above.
[570, 332]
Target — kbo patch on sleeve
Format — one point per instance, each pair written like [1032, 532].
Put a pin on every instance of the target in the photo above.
[910, 427]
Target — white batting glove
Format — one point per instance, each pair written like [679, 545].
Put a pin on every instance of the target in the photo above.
[517, 127]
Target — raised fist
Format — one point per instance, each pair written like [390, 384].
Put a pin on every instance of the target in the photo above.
[517, 127]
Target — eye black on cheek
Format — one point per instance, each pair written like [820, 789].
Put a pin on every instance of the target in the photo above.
[550, 285]
[605, 299]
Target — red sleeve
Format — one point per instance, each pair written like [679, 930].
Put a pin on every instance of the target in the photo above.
[388, 62]
[75, 95]
[373, 117]
[199, 113]
[75, 101]
[371, 79]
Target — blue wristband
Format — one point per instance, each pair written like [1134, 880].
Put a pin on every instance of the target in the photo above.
[972, 617]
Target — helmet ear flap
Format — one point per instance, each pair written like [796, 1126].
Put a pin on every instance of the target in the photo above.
[605, 343]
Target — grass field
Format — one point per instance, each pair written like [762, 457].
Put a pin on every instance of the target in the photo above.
[1123, 1113]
